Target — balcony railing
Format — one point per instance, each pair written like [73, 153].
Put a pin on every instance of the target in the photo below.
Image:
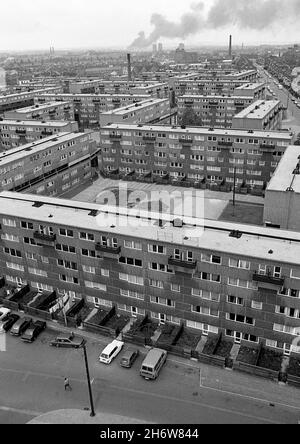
[149, 139]
[44, 237]
[115, 136]
[228, 144]
[47, 133]
[267, 146]
[21, 132]
[186, 141]
[182, 263]
[109, 250]
[268, 279]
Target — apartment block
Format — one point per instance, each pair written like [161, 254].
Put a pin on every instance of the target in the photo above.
[158, 90]
[218, 87]
[147, 111]
[282, 199]
[261, 115]
[197, 155]
[239, 280]
[14, 101]
[211, 110]
[14, 133]
[50, 166]
[45, 111]
[87, 107]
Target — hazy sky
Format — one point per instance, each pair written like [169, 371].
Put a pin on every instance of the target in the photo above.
[37, 24]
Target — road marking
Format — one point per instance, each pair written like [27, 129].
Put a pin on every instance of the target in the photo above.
[252, 398]
[208, 406]
[21, 411]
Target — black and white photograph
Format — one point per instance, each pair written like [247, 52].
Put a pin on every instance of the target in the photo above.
[149, 215]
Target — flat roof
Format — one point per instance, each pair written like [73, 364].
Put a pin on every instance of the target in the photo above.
[256, 242]
[212, 97]
[94, 96]
[48, 123]
[26, 93]
[251, 86]
[18, 153]
[37, 107]
[135, 107]
[258, 110]
[203, 131]
[130, 83]
[284, 177]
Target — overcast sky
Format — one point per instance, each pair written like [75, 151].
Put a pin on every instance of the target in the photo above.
[37, 24]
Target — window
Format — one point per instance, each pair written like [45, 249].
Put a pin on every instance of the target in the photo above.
[95, 286]
[205, 328]
[9, 223]
[132, 294]
[16, 267]
[102, 302]
[175, 287]
[88, 253]
[162, 301]
[38, 272]
[160, 267]
[104, 273]
[87, 269]
[136, 280]
[27, 225]
[213, 259]
[66, 233]
[87, 236]
[158, 249]
[236, 263]
[235, 300]
[256, 305]
[239, 318]
[65, 248]
[206, 311]
[156, 284]
[133, 245]
[67, 264]
[131, 261]
[12, 252]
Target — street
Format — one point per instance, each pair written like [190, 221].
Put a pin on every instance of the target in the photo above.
[293, 114]
[32, 383]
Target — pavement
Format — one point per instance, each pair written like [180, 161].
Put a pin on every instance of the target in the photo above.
[186, 392]
[81, 417]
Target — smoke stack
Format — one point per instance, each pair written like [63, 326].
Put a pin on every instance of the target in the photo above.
[129, 67]
[230, 47]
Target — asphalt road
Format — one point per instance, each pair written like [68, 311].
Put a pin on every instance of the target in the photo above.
[293, 114]
[31, 383]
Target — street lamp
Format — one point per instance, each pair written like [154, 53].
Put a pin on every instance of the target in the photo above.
[92, 414]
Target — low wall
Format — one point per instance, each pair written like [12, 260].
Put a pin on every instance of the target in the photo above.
[257, 371]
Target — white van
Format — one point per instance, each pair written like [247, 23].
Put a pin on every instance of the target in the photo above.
[153, 363]
[111, 351]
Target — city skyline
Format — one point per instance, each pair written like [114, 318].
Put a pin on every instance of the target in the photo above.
[91, 25]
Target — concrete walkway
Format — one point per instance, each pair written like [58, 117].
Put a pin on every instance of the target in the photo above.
[82, 417]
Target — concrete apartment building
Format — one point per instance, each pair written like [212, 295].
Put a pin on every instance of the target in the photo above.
[14, 133]
[50, 166]
[46, 111]
[282, 201]
[260, 115]
[196, 155]
[87, 107]
[219, 87]
[21, 100]
[239, 280]
[147, 111]
[159, 90]
[212, 110]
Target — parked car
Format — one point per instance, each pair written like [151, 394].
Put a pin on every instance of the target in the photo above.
[129, 358]
[3, 312]
[33, 331]
[68, 342]
[20, 326]
[111, 352]
[8, 321]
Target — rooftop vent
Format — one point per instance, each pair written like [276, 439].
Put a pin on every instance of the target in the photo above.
[38, 204]
[178, 223]
[93, 213]
[236, 234]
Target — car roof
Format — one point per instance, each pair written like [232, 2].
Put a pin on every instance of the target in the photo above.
[129, 353]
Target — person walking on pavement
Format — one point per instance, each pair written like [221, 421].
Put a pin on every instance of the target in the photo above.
[67, 384]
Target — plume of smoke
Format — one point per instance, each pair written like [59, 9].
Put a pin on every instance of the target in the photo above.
[245, 14]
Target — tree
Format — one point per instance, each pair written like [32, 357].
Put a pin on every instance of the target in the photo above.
[297, 142]
[190, 118]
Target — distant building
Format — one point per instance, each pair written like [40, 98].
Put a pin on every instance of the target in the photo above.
[160, 48]
[45, 111]
[14, 101]
[14, 133]
[182, 56]
[282, 198]
[260, 115]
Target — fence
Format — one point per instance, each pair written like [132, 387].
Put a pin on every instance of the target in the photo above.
[257, 371]
[102, 330]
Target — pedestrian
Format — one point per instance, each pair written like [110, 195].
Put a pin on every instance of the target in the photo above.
[67, 384]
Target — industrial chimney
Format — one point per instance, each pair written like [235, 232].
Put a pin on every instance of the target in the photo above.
[230, 47]
[129, 67]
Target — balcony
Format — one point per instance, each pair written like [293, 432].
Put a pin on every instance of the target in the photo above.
[47, 133]
[182, 266]
[186, 141]
[108, 252]
[115, 136]
[267, 146]
[21, 132]
[47, 238]
[268, 281]
[225, 144]
[189, 102]
[212, 103]
[151, 139]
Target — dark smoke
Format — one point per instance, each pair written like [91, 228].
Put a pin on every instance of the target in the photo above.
[245, 14]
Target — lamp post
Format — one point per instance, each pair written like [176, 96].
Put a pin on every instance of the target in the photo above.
[92, 414]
